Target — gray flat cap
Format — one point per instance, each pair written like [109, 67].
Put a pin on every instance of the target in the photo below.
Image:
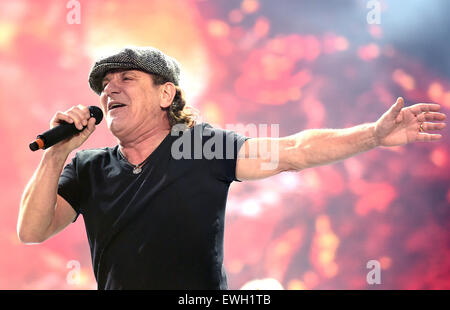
[148, 59]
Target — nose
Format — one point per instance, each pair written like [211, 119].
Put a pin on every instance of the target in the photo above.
[109, 92]
[111, 88]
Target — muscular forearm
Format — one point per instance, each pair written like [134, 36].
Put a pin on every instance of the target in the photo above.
[315, 147]
[38, 202]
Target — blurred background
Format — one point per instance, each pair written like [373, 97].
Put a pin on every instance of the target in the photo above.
[299, 64]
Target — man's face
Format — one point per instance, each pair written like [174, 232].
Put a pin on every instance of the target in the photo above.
[130, 102]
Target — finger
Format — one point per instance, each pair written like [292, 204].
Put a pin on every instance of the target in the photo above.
[77, 118]
[90, 128]
[433, 126]
[397, 107]
[85, 111]
[425, 107]
[428, 137]
[59, 118]
[82, 111]
[431, 116]
[91, 124]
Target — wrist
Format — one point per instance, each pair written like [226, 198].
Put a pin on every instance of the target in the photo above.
[373, 133]
[56, 154]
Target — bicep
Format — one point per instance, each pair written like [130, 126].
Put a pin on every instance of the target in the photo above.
[64, 215]
[260, 158]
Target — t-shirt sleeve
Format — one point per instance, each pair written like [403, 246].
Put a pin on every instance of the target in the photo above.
[69, 186]
[232, 142]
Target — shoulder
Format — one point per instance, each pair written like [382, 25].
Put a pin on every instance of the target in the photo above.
[90, 155]
[198, 130]
[182, 128]
[208, 130]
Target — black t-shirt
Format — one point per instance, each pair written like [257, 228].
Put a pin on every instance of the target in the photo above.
[162, 228]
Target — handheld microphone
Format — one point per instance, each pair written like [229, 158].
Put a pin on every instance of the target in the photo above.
[63, 131]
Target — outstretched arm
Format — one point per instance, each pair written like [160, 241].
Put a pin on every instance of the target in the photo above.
[264, 157]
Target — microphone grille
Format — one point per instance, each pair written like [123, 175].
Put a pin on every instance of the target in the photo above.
[96, 113]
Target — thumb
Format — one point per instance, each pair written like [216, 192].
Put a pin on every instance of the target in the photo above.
[397, 107]
[91, 124]
[90, 127]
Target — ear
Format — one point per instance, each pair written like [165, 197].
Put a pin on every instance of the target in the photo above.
[167, 93]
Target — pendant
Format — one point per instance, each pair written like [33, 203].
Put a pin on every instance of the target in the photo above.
[137, 170]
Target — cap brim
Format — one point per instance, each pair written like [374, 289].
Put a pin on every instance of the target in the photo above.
[99, 71]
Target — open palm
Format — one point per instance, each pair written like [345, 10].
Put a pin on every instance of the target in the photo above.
[399, 126]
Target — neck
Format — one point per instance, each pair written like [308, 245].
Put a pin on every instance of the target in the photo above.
[137, 150]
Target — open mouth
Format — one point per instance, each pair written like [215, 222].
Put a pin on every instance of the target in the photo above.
[116, 106]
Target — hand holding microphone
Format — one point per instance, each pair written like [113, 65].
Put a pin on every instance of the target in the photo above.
[69, 129]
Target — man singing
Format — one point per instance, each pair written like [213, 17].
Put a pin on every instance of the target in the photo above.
[155, 220]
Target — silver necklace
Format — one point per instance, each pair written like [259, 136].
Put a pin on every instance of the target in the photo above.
[136, 168]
